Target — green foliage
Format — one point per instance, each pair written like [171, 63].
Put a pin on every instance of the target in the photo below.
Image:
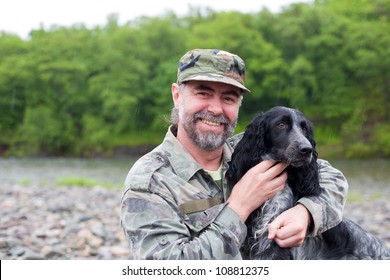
[381, 139]
[76, 91]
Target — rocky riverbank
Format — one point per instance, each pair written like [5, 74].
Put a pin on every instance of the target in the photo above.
[60, 223]
[83, 223]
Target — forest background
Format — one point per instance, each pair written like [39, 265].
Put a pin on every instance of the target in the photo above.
[78, 91]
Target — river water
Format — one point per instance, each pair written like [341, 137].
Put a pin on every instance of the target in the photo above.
[46, 171]
[361, 174]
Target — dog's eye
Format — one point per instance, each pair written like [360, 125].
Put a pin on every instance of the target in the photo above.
[305, 130]
[281, 125]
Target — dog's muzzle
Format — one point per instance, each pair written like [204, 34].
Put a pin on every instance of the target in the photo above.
[299, 153]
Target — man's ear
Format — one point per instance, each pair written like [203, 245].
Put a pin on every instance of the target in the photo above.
[175, 94]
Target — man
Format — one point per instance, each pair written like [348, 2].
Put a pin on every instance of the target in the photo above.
[176, 204]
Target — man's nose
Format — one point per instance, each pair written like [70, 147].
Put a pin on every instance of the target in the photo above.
[215, 106]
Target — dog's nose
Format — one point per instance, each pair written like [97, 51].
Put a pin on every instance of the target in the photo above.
[304, 149]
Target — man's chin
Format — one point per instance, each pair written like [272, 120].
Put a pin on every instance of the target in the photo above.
[210, 141]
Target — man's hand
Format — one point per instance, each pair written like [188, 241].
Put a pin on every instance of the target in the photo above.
[289, 228]
[259, 184]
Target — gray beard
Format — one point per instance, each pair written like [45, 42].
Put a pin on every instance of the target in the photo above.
[206, 140]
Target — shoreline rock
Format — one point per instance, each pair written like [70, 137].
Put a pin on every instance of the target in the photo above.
[83, 223]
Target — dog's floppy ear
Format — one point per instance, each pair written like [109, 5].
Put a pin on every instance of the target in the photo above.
[249, 150]
[310, 137]
[310, 134]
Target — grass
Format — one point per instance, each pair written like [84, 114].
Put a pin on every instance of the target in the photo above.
[84, 182]
[73, 182]
[358, 196]
[25, 182]
[139, 139]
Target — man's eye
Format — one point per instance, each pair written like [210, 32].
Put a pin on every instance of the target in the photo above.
[202, 94]
[230, 100]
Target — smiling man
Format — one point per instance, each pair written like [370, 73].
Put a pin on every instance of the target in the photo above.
[176, 202]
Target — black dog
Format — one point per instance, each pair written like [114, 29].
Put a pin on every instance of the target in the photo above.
[284, 134]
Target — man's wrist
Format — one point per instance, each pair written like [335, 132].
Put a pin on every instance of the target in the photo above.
[240, 211]
[306, 213]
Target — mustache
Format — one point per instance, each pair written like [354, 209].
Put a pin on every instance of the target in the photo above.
[210, 117]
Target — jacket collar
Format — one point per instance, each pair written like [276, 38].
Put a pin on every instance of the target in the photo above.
[181, 160]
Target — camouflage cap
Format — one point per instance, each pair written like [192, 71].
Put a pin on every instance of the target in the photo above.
[212, 65]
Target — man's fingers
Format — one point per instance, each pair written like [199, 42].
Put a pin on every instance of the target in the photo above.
[271, 166]
[271, 233]
[285, 234]
[273, 228]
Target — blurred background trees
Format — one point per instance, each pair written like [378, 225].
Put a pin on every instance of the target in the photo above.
[74, 91]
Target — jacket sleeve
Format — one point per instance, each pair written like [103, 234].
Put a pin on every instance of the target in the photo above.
[327, 209]
[156, 230]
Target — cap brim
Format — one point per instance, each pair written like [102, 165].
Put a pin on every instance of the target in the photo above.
[216, 78]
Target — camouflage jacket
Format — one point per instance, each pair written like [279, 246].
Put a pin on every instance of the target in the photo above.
[160, 223]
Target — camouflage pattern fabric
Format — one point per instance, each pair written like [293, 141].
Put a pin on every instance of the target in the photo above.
[163, 180]
[212, 65]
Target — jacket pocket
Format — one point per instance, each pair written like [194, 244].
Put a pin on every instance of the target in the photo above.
[198, 221]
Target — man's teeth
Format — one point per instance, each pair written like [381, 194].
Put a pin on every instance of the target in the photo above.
[211, 123]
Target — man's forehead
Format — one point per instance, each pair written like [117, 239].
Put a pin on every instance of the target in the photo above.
[214, 86]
